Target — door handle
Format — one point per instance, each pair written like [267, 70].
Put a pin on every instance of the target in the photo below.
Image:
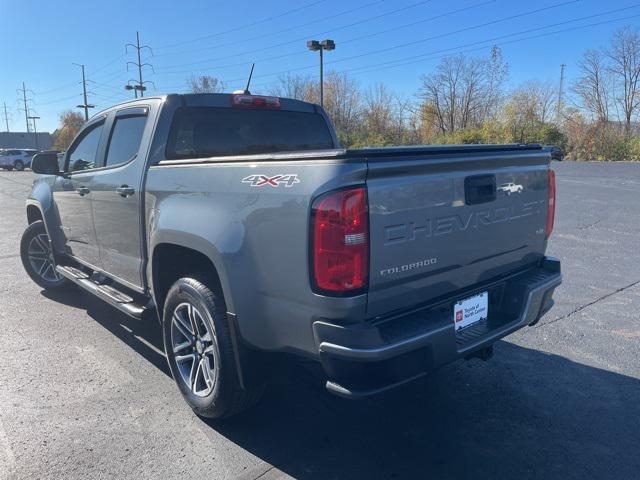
[125, 191]
[82, 190]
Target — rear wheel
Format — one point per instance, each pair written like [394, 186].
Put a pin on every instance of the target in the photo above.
[18, 165]
[38, 259]
[200, 353]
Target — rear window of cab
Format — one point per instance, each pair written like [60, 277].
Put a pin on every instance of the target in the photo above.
[201, 132]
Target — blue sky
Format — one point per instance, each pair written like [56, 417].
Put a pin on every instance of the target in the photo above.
[390, 41]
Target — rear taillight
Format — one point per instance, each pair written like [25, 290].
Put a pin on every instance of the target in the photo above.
[255, 101]
[340, 241]
[551, 205]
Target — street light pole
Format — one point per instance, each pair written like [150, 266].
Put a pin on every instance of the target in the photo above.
[315, 45]
[321, 77]
[132, 87]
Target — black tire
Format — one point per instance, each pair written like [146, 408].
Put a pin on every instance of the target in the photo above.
[226, 396]
[9, 168]
[37, 258]
[18, 165]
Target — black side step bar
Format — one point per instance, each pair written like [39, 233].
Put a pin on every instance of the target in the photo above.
[109, 294]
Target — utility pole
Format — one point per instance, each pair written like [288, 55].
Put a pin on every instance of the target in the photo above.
[140, 87]
[35, 130]
[560, 93]
[26, 109]
[6, 116]
[84, 105]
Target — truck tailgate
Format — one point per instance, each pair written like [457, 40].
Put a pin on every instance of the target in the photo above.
[442, 220]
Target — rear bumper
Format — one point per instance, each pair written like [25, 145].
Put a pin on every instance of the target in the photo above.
[375, 356]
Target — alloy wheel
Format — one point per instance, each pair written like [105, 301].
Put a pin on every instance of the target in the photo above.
[41, 258]
[192, 342]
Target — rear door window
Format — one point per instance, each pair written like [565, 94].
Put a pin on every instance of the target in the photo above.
[125, 139]
[199, 132]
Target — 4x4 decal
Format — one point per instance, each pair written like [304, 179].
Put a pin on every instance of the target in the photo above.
[288, 180]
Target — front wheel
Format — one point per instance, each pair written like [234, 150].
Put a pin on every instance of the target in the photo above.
[199, 348]
[18, 165]
[38, 259]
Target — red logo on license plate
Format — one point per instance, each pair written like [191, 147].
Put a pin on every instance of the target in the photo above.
[459, 316]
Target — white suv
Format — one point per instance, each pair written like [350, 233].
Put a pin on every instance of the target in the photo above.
[16, 158]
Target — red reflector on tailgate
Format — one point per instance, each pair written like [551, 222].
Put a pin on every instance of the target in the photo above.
[551, 206]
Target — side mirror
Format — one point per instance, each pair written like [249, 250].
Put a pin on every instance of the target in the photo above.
[45, 164]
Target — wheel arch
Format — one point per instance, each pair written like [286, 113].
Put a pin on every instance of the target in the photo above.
[34, 214]
[40, 206]
[171, 260]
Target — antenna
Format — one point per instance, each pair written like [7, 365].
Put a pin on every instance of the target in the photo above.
[246, 90]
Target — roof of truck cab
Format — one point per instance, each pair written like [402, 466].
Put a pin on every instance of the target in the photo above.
[212, 100]
[128, 102]
[224, 100]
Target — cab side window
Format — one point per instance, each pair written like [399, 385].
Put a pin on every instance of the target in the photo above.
[82, 155]
[125, 139]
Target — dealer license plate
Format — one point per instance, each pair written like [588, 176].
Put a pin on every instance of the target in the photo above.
[470, 310]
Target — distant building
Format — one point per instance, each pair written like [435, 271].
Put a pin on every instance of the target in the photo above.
[26, 140]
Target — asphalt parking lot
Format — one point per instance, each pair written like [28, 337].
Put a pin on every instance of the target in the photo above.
[85, 391]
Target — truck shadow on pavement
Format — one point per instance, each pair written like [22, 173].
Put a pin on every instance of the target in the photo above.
[524, 414]
[143, 336]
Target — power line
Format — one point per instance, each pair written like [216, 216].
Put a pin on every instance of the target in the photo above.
[279, 32]
[302, 39]
[70, 84]
[493, 40]
[466, 29]
[485, 43]
[56, 89]
[109, 63]
[108, 87]
[139, 64]
[59, 100]
[422, 40]
[416, 58]
[240, 27]
[349, 40]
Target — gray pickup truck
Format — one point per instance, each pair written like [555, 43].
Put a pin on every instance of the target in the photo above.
[244, 225]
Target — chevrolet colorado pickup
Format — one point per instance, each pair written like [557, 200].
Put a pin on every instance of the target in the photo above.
[244, 225]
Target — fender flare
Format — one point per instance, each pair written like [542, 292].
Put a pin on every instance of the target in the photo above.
[41, 198]
[197, 244]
